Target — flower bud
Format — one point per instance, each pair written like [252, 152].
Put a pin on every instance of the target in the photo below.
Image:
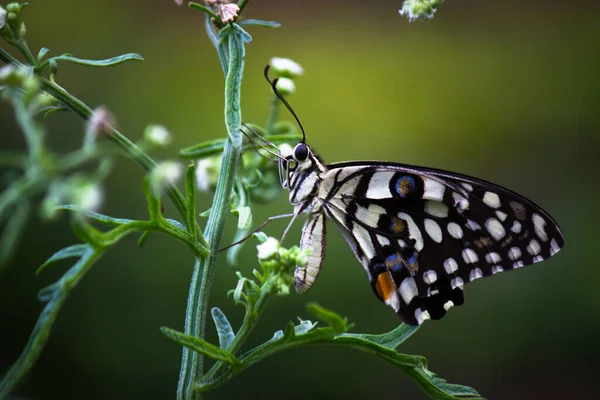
[207, 173]
[157, 135]
[286, 86]
[166, 173]
[88, 196]
[286, 68]
[419, 9]
[268, 249]
[11, 75]
[228, 12]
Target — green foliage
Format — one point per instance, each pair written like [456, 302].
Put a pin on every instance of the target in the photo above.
[237, 172]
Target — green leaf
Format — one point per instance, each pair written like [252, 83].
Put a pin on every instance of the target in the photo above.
[42, 53]
[244, 217]
[101, 218]
[109, 62]
[12, 232]
[201, 346]
[390, 340]
[190, 198]
[224, 329]
[143, 237]
[76, 250]
[204, 9]
[258, 22]
[336, 321]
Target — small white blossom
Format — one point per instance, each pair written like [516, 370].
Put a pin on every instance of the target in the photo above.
[165, 173]
[419, 9]
[228, 12]
[2, 17]
[207, 173]
[89, 197]
[286, 86]
[158, 135]
[268, 249]
[284, 67]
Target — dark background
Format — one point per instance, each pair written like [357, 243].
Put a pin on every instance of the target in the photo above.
[507, 91]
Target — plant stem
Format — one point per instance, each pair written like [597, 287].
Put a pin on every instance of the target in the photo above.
[192, 364]
[273, 115]
[81, 109]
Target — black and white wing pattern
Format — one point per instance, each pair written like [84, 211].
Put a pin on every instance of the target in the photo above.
[421, 233]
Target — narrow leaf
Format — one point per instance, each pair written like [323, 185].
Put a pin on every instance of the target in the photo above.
[103, 219]
[42, 53]
[258, 22]
[200, 346]
[77, 250]
[190, 198]
[224, 329]
[98, 63]
[12, 232]
[244, 217]
[143, 237]
[336, 321]
[390, 340]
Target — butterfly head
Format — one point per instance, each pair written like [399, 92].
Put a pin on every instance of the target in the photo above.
[293, 161]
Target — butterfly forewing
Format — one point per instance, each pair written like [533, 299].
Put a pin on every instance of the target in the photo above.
[422, 233]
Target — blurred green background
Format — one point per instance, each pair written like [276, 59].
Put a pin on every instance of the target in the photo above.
[507, 91]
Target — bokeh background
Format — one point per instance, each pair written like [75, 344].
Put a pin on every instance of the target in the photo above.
[505, 90]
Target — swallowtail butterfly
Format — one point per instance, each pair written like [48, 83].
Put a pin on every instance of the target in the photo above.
[420, 233]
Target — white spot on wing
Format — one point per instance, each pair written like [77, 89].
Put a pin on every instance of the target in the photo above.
[467, 186]
[433, 190]
[379, 185]
[393, 301]
[534, 247]
[460, 202]
[472, 225]
[537, 259]
[475, 274]
[457, 283]
[514, 253]
[436, 208]
[430, 277]
[496, 269]
[370, 216]
[362, 237]
[538, 225]
[516, 228]
[448, 305]
[455, 230]
[495, 228]
[493, 258]
[413, 230]
[470, 256]
[433, 230]
[450, 266]
[408, 290]
[501, 215]
[518, 264]
[491, 199]
[554, 247]
[421, 316]
[383, 241]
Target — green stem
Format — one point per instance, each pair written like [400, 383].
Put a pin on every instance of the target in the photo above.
[192, 364]
[253, 313]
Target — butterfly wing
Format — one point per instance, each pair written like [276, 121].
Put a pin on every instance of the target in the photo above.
[423, 233]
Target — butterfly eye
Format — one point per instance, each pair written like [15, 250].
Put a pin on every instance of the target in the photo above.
[300, 152]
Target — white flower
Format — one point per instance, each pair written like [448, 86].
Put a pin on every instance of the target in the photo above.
[158, 135]
[419, 9]
[228, 12]
[89, 197]
[2, 17]
[284, 67]
[286, 86]
[268, 249]
[165, 173]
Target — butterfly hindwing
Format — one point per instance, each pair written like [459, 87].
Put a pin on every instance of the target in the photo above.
[422, 234]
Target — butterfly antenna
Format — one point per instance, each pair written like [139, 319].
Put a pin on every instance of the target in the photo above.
[264, 139]
[273, 84]
[254, 143]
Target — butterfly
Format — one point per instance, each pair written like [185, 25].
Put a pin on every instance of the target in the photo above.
[420, 233]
